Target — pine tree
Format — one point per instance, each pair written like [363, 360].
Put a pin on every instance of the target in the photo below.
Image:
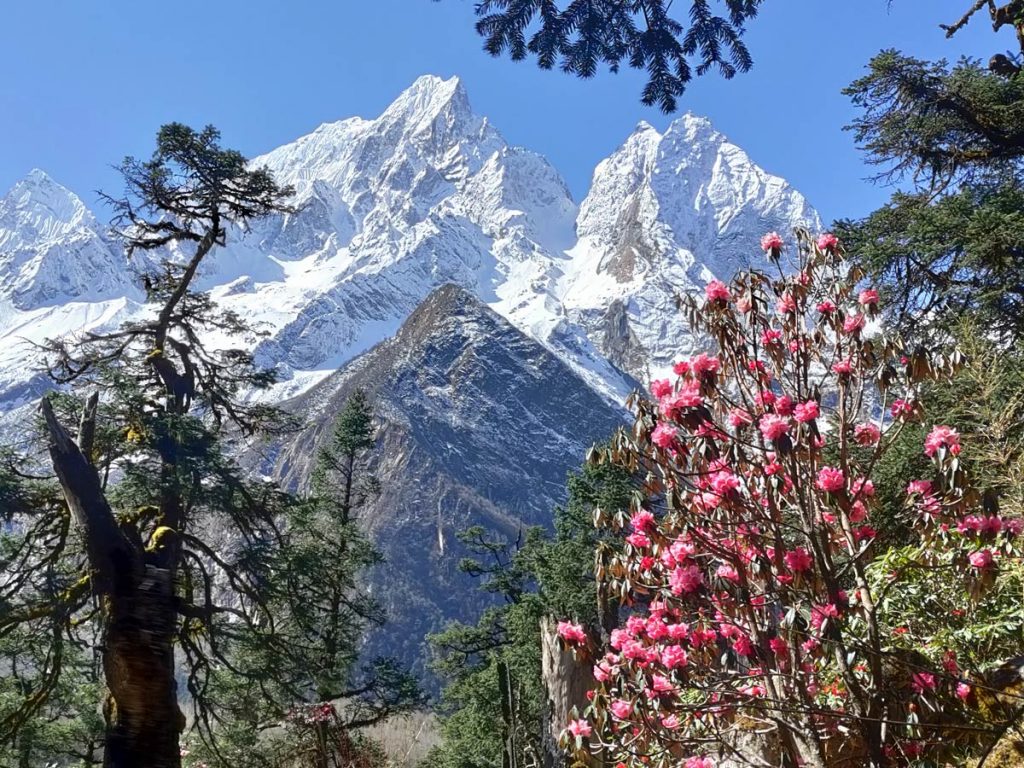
[578, 36]
[158, 551]
[311, 674]
[540, 576]
[955, 240]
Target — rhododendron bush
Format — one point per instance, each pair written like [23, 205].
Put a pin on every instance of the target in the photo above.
[748, 563]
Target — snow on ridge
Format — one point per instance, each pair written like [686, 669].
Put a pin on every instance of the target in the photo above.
[425, 194]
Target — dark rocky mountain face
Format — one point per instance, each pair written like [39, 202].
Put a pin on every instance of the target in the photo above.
[479, 425]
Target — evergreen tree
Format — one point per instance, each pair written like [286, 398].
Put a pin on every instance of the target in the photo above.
[309, 674]
[955, 240]
[158, 551]
[539, 576]
[578, 36]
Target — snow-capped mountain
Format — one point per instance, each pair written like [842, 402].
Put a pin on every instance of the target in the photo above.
[477, 424]
[58, 274]
[426, 194]
[665, 214]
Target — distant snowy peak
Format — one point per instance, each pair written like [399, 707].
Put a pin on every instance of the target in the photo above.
[428, 193]
[665, 213]
[52, 249]
[38, 209]
[391, 208]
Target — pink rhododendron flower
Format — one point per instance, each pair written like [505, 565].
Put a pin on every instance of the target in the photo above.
[779, 646]
[923, 682]
[921, 487]
[867, 434]
[864, 533]
[638, 540]
[716, 290]
[843, 367]
[991, 525]
[727, 572]
[771, 336]
[659, 685]
[981, 559]
[826, 307]
[858, 512]
[643, 521]
[831, 479]
[786, 304]
[743, 646]
[807, 411]
[828, 242]
[798, 560]
[723, 483]
[773, 427]
[771, 243]
[743, 304]
[700, 762]
[673, 657]
[572, 633]
[868, 297]
[686, 579]
[901, 409]
[949, 663]
[738, 418]
[688, 396]
[671, 722]
[822, 613]
[656, 629]
[963, 691]
[621, 708]
[664, 435]
[942, 437]
[579, 728]
[862, 486]
[853, 324]
[678, 631]
[661, 388]
[703, 363]
[784, 406]
[681, 368]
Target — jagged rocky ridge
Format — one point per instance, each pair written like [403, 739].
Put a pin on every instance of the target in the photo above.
[428, 193]
[478, 425]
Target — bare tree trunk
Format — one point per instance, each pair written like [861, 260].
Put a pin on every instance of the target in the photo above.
[143, 718]
[566, 682]
[137, 605]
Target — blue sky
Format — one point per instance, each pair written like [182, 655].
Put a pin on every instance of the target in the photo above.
[84, 83]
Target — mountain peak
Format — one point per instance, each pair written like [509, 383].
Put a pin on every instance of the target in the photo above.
[696, 129]
[39, 197]
[429, 96]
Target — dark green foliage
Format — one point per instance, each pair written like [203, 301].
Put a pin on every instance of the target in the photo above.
[166, 558]
[957, 253]
[578, 36]
[493, 668]
[954, 243]
[984, 403]
[321, 613]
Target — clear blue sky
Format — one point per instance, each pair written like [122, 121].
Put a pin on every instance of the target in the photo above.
[85, 82]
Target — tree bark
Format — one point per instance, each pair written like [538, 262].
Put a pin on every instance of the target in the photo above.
[139, 617]
[143, 718]
[566, 682]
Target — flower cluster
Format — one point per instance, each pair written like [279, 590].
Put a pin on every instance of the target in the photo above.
[744, 560]
[311, 714]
